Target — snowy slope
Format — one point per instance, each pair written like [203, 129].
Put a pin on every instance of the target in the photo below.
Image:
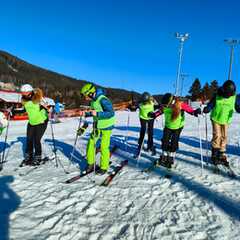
[40, 206]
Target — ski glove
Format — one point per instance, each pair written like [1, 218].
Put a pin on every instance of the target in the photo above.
[205, 110]
[197, 112]
[154, 114]
[82, 129]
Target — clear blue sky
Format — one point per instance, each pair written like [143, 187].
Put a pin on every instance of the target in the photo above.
[126, 44]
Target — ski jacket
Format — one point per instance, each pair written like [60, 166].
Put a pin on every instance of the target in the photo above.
[144, 109]
[36, 114]
[57, 107]
[179, 122]
[105, 118]
[222, 108]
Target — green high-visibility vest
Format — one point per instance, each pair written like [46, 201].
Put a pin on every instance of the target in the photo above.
[35, 114]
[102, 123]
[173, 124]
[223, 111]
[144, 109]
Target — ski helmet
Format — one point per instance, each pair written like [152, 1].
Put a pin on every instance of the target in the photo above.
[167, 99]
[26, 88]
[229, 88]
[145, 97]
[88, 89]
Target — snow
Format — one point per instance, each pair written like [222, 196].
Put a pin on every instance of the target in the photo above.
[136, 205]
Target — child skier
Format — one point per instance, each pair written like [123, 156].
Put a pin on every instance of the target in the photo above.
[37, 124]
[222, 107]
[146, 106]
[104, 120]
[173, 110]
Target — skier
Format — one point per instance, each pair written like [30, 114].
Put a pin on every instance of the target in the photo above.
[173, 110]
[104, 120]
[146, 105]
[57, 110]
[222, 106]
[38, 119]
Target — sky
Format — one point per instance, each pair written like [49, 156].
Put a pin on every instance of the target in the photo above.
[124, 44]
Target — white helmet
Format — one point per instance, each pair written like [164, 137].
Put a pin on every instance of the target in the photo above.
[26, 88]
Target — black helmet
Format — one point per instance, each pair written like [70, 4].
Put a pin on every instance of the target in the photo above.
[167, 99]
[145, 97]
[229, 88]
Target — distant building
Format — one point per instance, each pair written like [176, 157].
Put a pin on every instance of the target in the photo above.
[7, 86]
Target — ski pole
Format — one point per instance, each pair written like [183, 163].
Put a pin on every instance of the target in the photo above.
[142, 144]
[200, 143]
[5, 142]
[55, 150]
[75, 141]
[207, 145]
[54, 144]
[94, 141]
[127, 136]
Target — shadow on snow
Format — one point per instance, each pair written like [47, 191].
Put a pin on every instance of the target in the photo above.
[9, 202]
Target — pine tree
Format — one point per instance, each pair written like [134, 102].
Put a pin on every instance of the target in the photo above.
[195, 90]
[213, 87]
[206, 91]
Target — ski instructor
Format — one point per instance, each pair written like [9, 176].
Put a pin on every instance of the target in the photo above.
[103, 124]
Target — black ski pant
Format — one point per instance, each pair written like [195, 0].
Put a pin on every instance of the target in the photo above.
[170, 139]
[34, 135]
[146, 125]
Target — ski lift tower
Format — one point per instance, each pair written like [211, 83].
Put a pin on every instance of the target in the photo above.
[182, 76]
[182, 38]
[232, 43]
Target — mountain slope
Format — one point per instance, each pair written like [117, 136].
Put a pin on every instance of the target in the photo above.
[18, 71]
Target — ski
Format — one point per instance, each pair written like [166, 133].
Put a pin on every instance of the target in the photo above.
[229, 171]
[110, 177]
[84, 173]
[226, 169]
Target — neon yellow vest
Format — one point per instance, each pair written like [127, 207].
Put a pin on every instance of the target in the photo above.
[35, 115]
[144, 109]
[169, 123]
[102, 123]
[223, 111]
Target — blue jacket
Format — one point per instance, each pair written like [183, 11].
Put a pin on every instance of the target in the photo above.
[107, 107]
[57, 108]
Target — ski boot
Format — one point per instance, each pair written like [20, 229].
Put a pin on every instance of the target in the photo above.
[171, 157]
[153, 150]
[164, 161]
[223, 159]
[150, 149]
[27, 161]
[101, 171]
[37, 160]
[215, 156]
[146, 149]
[89, 168]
